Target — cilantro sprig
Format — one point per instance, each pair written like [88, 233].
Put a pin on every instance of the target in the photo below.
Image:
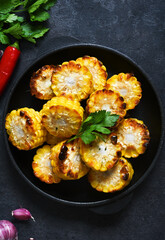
[27, 26]
[96, 124]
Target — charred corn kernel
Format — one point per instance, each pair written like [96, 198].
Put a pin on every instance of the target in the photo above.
[128, 87]
[114, 179]
[100, 155]
[71, 78]
[53, 140]
[40, 83]
[97, 69]
[134, 137]
[62, 116]
[106, 100]
[66, 161]
[42, 166]
[24, 128]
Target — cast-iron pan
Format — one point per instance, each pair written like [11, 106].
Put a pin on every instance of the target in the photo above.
[79, 192]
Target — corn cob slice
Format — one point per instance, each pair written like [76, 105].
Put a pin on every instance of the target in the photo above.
[97, 69]
[25, 129]
[42, 166]
[106, 100]
[53, 140]
[71, 78]
[40, 83]
[128, 87]
[66, 161]
[100, 155]
[114, 179]
[134, 137]
[62, 116]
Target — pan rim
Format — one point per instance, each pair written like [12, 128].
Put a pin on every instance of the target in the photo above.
[129, 189]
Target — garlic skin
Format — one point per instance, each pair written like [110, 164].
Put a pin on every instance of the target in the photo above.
[22, 214]
[8, 231]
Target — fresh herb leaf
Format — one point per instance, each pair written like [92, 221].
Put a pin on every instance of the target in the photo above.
[95, 124]
[13, 17]
[7, 5]
[30, 32]
[15, 30]
[36, 5]
[49, 4]
[39, 15]
[4, 38]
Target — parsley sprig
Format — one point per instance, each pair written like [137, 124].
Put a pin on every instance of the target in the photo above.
[96, 124]
[27, 26]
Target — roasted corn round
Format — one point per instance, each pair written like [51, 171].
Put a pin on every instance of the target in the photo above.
[40, 83]
[128, 87]
[101, 155]
[134, 137]
[71, 78]
[114, 179]
[66, 160]
[106, 100]
[97, 69]
[42, 166]
[25, 129]
[62, 116]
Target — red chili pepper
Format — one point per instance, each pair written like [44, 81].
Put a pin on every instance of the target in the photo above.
[7, 64]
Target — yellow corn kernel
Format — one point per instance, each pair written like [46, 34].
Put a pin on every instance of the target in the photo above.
[71, 78]
[62, 116]
[25, 129]
[128, 87]
[42, 166]
[66, 161]
[134, 137]
[97, 69]
[115, 179]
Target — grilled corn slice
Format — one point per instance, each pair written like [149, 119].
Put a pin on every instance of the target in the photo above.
[71, 78]
[97, 69]
[66, 161]
[62, 116]
[100, 155]
[106, 100]
[134, 137]
[25, 129]
[128, 87]
[40, 83]
[114, 179]
[42, 166]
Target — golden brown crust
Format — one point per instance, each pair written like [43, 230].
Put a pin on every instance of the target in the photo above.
[100, 155]
[66, 161]
[62, 116]
[40, 83]
[114, 179]
[71, 78]
[106, 100]
[127, 86]
[25, 129]
[41, 165]
[97, 69]
[134, 137]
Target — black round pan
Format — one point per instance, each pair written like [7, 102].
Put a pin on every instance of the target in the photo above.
[79, 192]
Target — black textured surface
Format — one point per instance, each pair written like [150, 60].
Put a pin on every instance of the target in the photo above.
[137, 29]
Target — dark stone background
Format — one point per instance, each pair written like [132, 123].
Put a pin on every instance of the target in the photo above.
[137, 29]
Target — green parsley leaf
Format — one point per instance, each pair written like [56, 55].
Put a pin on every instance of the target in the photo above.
[7, 5]
[3, 16]
[49, 4]
[95, 124]
[39, 15]
[15, 30]
[33, 31]
[13, 17]
[36, 5]
[4, 39]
